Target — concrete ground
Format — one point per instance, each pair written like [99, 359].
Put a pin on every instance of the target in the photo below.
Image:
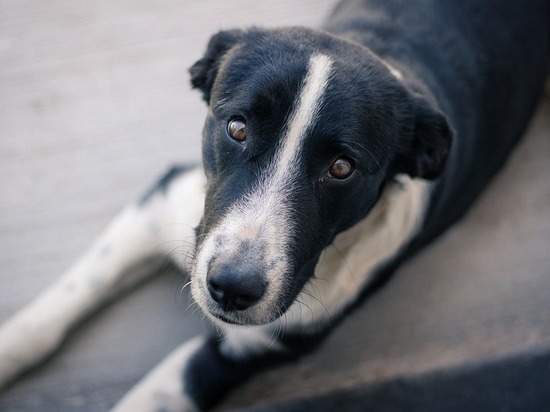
[95, 104]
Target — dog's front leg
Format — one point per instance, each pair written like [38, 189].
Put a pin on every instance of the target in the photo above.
[198, 374]
[131, 248]
[39, 328]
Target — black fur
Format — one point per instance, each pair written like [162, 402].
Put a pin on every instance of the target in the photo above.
[204, 71]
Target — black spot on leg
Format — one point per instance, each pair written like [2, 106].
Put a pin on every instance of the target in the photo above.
[162, 184]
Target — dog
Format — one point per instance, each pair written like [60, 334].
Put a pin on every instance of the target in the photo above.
[330, 155]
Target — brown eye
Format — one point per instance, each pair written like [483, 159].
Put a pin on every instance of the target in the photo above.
[342, 168]
[236, 129]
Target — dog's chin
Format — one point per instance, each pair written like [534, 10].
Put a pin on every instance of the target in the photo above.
[237, 318]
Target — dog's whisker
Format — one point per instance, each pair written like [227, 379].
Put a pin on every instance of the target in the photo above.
[364, 148]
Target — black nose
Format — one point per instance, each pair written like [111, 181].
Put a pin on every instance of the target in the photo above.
[235, 288]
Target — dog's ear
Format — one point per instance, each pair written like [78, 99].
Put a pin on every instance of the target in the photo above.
[424, 152]
[204, 71]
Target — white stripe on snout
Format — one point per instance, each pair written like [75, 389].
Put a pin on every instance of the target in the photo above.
[264, 215]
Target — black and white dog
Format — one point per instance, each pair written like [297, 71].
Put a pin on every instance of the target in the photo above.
[328, 155]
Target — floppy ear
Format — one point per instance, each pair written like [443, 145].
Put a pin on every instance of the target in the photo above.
[204, 71]
[424, 153]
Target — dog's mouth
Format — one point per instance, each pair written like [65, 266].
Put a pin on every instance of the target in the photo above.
[248, 317]
[226, 319]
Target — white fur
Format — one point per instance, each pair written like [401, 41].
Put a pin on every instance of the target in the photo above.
[130, 249]
[177, 213]
[240, 342]
[303, 117]
[263, 215]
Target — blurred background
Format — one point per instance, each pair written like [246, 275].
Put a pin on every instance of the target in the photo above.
[95, 103]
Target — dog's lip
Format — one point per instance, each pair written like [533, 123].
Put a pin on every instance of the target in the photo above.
[232, 321]
[226, 319]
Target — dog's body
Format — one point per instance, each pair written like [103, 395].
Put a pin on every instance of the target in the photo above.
[324, 159]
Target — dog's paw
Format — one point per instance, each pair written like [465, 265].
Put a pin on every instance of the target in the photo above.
[24, 343]
[163, 388]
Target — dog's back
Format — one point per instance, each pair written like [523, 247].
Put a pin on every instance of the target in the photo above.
[483, 60]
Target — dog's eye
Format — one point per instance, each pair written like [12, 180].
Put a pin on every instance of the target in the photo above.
[236, 129]
[342, 168]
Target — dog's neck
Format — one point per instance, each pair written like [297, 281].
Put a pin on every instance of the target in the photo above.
[349, 263]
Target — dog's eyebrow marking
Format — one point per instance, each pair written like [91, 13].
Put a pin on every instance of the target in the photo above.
[306, 111]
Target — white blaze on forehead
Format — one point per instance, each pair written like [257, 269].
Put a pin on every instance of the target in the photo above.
[266, 208]
[306, 110]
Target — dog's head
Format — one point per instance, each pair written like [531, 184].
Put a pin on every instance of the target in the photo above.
[302, 133]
